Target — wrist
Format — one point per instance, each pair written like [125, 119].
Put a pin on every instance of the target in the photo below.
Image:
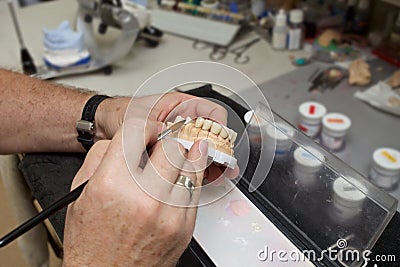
[86, 126]
[109, 117]
[100, 121]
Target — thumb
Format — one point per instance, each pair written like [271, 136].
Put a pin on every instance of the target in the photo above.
[196, 162]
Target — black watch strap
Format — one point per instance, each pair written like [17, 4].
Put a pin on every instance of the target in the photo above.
[86, 126]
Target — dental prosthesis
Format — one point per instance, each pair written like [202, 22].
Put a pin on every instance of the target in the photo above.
[220, 138]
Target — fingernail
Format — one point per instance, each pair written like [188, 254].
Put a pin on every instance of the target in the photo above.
[203, 147]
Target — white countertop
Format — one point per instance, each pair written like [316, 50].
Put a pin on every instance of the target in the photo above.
[142, 61]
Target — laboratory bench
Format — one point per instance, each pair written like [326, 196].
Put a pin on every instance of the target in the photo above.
[283, 84]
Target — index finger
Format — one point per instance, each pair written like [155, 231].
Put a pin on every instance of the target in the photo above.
[200, 107]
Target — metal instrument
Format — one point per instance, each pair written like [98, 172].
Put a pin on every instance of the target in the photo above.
[326, 79]
[219, 52]
[239, 51]
[175, 127]
[28, 65]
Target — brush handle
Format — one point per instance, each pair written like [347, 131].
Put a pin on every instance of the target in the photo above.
[43, 215]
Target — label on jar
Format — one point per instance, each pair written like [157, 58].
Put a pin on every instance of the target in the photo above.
[389, 156]
[309, 130]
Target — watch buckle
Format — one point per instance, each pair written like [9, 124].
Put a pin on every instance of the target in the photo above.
[85, 126]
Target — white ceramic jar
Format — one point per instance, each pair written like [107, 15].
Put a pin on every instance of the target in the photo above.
[307, 162]
[283, 136]
[347, 199]
[385, 171]
[311, 114]
[334, 129]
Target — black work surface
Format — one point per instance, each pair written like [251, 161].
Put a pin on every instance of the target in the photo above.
[50, 175]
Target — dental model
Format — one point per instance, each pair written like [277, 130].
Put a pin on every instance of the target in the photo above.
[394, 80]
[64, 47]
[220, 138]
[359, 73]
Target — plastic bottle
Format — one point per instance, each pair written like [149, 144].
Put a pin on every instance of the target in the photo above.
[349, 16]
[280, 30]
[257, 7]
[361, 17]
[296, 30]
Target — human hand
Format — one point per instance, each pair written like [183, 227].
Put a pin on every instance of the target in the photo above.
[110, 116]
[114, 222]
[165, 107]
[157, 108]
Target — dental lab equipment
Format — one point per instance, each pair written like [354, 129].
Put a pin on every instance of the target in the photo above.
[28, 65]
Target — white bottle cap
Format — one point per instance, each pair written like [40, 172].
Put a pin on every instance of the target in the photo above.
[347, 194]
[335, 124]
[281, 18]
[387, 160]
[309, 158]
[312, 112]
[296, 16]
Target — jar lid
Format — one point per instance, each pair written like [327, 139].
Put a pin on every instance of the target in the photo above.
[346, 193]
[387, 158]
[308, 157]
[312, 110]
[336, 122]
[280, 131]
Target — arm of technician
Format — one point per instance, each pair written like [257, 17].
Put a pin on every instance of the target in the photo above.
[39, 115]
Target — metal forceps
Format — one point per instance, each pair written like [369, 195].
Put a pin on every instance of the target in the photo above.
[239, 51]
[218, 52]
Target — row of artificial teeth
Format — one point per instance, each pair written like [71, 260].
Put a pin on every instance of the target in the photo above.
[213, 127]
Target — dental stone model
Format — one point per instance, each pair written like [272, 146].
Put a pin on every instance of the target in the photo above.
[220, 138]
[64, 47]
[359, 73]
[394, 80]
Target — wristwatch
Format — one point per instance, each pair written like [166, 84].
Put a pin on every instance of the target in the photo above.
[86, 125]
